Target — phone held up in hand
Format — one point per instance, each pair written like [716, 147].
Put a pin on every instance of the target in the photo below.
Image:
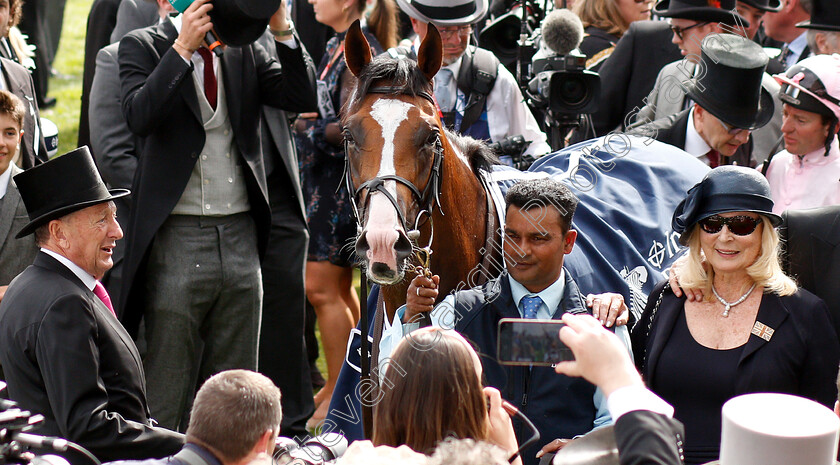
[531, 342]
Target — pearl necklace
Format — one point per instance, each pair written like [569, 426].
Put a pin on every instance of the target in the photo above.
[728, 305]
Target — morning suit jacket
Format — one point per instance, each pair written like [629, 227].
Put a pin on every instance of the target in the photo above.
[21, 84]
[812, 253]
[160, 105]
[66, 357]
[672, 130]
[668, 98]
[15, 254]
[647, 438]
[800, 358]
[628, 75]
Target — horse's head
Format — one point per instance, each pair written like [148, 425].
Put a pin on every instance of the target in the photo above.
[394, 143]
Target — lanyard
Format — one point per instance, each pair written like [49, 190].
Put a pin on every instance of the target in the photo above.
[332, 60]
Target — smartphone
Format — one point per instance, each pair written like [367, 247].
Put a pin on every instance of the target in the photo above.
[531, 342]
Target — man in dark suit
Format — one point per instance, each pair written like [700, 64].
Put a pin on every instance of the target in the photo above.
[201, 175]
[63, 352]
[628, 75]
[717, 127]
[781, 26]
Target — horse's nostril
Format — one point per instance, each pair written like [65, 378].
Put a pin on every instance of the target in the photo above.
[380, 268]
[402, 247]
[362, 244]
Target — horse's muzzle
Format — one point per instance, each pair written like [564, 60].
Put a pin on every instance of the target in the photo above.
[385, 256]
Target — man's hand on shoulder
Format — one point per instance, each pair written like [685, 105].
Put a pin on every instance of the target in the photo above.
[609, 308]
[692, 295]
[421, 296]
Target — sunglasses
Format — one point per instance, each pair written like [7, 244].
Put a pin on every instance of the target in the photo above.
[732, 130]
[679, 31]
[741, 225]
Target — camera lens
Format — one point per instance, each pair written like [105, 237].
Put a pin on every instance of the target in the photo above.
[572, 91]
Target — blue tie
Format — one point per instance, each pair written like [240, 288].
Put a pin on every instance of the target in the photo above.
[442, 93]
[530, 305]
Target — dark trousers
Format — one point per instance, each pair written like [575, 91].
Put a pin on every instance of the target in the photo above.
[282, 348]
[203, 302]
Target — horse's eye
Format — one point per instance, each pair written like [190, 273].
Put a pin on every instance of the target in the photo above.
[348, 136]
[432, 138]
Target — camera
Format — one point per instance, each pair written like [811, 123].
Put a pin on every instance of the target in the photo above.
[563, 85]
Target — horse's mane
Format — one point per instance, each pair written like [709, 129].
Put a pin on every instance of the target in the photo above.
[481, 157]
[406, 78]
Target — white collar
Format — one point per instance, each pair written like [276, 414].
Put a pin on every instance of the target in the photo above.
[551, 296]
[5, 179]
[88, 280]
[694, 143]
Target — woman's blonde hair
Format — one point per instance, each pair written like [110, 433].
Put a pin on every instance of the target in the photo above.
[603, 14]
[766, 271]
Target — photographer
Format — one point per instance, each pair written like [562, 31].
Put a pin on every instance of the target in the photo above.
[235, 420]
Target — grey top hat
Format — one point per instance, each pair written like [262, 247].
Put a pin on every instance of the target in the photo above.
[445, 12]
[731, 89]
[64, 184]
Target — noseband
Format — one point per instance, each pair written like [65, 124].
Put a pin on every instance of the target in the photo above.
[426, 200]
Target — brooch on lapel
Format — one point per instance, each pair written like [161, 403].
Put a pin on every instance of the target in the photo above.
[762, 330]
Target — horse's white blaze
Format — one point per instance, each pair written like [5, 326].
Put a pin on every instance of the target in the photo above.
[382, 220]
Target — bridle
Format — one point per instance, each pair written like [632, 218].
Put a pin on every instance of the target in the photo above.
[426, 200]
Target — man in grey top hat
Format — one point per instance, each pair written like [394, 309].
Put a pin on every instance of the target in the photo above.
[473, 103]
[63, 352]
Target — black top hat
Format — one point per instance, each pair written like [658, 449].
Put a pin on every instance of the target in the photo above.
[825, 15]
[731, 89]
[240, 22]
[765, 5]
[61, 186]
[724, 189]
[713, 11]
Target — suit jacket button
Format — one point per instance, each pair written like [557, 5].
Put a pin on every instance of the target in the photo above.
[194, 154]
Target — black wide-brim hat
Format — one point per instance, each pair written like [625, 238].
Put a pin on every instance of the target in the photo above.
[771, 6]
[730, 88]
[65, 184]
[241, 22]
[713, 11]
[724, 189]
[445, 12]
[825, 16]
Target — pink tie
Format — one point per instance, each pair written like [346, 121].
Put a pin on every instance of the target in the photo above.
[100, 292]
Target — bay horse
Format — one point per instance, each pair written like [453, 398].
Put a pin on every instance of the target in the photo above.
[412, 181]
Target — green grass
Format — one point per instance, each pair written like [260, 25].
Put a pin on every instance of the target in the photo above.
[69, 61]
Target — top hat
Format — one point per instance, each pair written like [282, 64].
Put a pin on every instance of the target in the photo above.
[731, 89]
[777, 429]
[724, 189]
[65, 184]
[445, 12]
[713, 11]
[237, 22]
[765, 5]
[825, 15]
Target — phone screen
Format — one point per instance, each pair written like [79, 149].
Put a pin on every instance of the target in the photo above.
[531, 342]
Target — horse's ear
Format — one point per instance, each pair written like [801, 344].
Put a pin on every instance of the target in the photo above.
[430, 55]
[356, 49]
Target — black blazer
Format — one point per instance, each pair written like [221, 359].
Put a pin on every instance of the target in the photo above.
[628, 75]
[647, 438]
[812, 255]
[160, 105]
[801, 357]
[66, 357]
[672, 131]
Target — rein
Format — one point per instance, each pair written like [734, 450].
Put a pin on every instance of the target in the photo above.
[426, 200]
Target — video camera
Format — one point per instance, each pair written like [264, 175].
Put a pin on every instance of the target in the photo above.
[319, 450]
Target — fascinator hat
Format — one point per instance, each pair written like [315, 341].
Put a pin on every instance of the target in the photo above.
[724, 189]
